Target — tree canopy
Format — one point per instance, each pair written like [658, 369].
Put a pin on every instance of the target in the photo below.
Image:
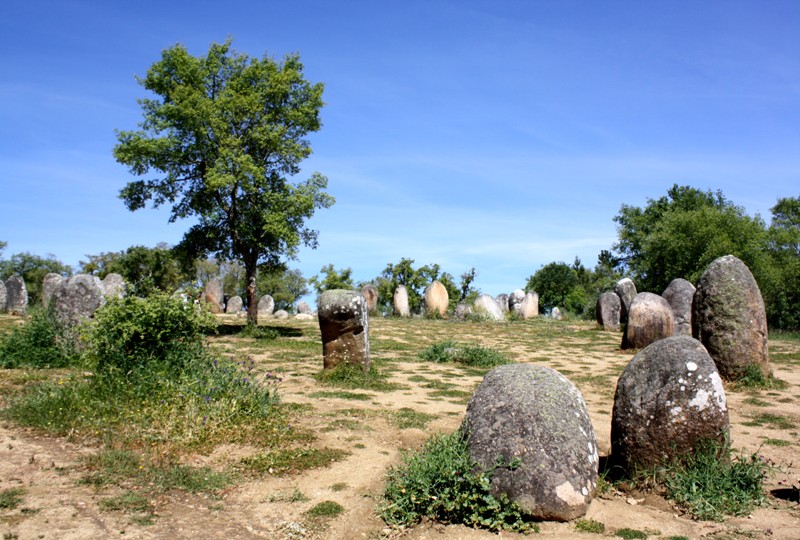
[219, 142]
[32, 268]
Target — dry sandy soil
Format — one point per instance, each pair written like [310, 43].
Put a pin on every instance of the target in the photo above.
[56, 505]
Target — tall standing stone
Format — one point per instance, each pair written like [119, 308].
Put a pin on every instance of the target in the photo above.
[515, 300]
[3, 297]
[16, 295]
[114, 285]
[668, 400]
[679, 294]
[529, 307]
[370, 294]
[344, 325]
[533, 414]
[303, 308]
[607, 311]
[649, 319]
[234, 305]
[502, 301]
[486, 306]
[729, 318]
[77, 298]
[626, 290]
[49, 284]
[436, 299]
[400, 302]
[213, 295]
[266, 305]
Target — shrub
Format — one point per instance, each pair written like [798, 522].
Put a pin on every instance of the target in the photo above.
[41, 342]
[468, 355]
[438, 483]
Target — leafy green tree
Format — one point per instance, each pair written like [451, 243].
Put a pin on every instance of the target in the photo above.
[145, 269]
[782, 293]
[333, 279]
[415, 280]
[286, 286]
[466, 292]
[221, 139]
[32, 268]
[557, 285]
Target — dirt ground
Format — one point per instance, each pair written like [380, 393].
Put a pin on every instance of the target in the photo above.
[56, 505]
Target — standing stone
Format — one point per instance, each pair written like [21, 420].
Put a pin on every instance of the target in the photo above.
[462, 311]
[729, 318]
[668, 400]
[49, 284]
[266, 305]
[281, 314]
[400, 302]
[535, 415]
[370, 294]
[3, 297]
[607, 311]
[16, 295]
[77, 298]
[304, 308]
[626, 291]
[214, 295]
[649, 319]
[515, 300]
[679, 294]
[344, 325]
[502, 301]
[529, 308]
[304, 317]
[436, 299]
[234, 305]
[114, 285]
[486, 306]
[555, 313]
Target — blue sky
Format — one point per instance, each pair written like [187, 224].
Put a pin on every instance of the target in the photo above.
[495, 135]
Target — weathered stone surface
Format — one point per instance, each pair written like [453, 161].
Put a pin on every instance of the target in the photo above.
[16, 295]
[303, 307]
[502, 301]
[515, 300]
[400, 302]
[234, 305]
[529, 308]
[214, 295]
[49, 283]
[649, 319]
[266, 305]
[534, 414]
[669, 399]
[344, 325]
[436, 299]
[679, 294]
[304, 317]
[462, 311]
[608, 310]
[555, 313]
[77, 298]
[370, 294]
[485, 306]
[3, 297]
[281, 314]
[626, 290]
[729, 319]
[114, 285]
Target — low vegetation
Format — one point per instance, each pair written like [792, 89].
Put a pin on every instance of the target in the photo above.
[468, 355]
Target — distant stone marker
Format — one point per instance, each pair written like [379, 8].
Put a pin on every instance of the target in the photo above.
[486, 306]
[3, 297]
[607, 311]
[502, 301]
[436, 299]
[234, 305]
[679, 294]
[515, 300]
[266, 305]
[16, 295]
[213, 295]
[281, 314]
[114, 285]
[400, 302]
[77, 298]
[370, 294]
[49, 284]
[649, 319]
[626, 291]
[529, 307]
[304, 308]
[344, 325]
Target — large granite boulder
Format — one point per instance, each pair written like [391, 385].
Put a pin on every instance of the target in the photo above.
[436, 299]
[679, 294]
[344, 324]
[266, 306]
[234, 305]
[462, 311]
[400, 302]
[50, 282]
[114, 285]
[529, 307]
[649, 319]
[281, 314]
[3, 297]
[487, 307]
[16, 295]
[77, 298]
[608, 310]
[729, 318]
[626, 290]
[303, 307]
[535, 415]
[370, 294]
[214, 295]
[502, 301]
[669, 399]
[515, 300]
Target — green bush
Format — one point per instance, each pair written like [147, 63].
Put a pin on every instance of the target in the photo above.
[132, 331]
[40, 342]
[468, 355]
[438, 483]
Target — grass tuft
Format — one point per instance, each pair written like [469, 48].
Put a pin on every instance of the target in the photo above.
[11, 498]
[352, 376]
[590, 526]
[468, 355]
[326, 509]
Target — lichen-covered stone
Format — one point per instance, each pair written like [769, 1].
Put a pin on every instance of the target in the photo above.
[515, 300]
[608, 310]
[344, 325]
[462, 311]
[3, 297]
[436, 299]
[535, 415]
[486, 306]
[303, 307]
[679, 294]
[669, 398]
[626, 290]
[555, 313]
[400, 302]
[281, 314]
[234, 305]
[649, 319]
[16, 295]
[50, 282]
[502, 301]
[370, 294]
[729, 318]
[77, 298]
[529, 308]
[266, 306]
[114, 285]
[214, 295]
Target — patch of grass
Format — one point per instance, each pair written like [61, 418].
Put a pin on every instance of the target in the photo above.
[347, 375]
[451, 393]
[345, 423]
[754, 379]
[775, 421]
[468, 355]
[590, 526]
[283, 461]
[438, 483]
[339, 486]
[777, 442]
[285, 496]
[342, 394]
[11, 498]
[630, 534]
[130, 501]
[756, 402]
[326, 509]
[41, 342]
[407, 418]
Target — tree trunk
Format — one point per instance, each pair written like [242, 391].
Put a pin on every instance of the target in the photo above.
[252, 299]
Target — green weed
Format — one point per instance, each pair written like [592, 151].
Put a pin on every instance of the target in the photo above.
[11, 498]
[283, 461]
[130, 501]
[468, 355]
[294, 496]
[775, 421]
[347, 375]
[630, 534]
[753, 378]
[590, 526]
[407, 418]
[41, 342]
[327, 509]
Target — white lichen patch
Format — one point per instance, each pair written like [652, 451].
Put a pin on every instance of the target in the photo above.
[700, 401]
[691, 366]
[569, 494]
[718, 391]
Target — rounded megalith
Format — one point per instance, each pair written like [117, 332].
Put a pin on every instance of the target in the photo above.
[608, 310]
[669, 399]
[436, 299]
[370, 294]
[487, 307]
[555, 314]
[114, 285]
[344, 325]
[679, 294]
[462, 311]
[649, 319]
[626, 290]
[502, 301]
[729, 318]
[50, 282]
[281, 314]
[214, 295]
[77, 298]
[234, 305]
[266, 305]
[534, 416]
[303, 307]
[515, 300]
[16, 295]
[400, 302]
[529, 307]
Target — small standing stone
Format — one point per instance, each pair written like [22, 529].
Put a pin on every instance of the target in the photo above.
[436, 299]
[281, 314]
[114, 285]
[649, 319]
[626, 290]
[214, 295]
[370, 294]
[400, 302]
[502, 301]
[679, 294]
[49, 284]
[515, 300]
[3, 297]
[16, 295]
[608, 310]
[486, 306]
[529, 308]
[344, 325]
[555, 314]
[266, 305]
[234, 305]
[462, 311]
[77, 298]
[303, 307]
